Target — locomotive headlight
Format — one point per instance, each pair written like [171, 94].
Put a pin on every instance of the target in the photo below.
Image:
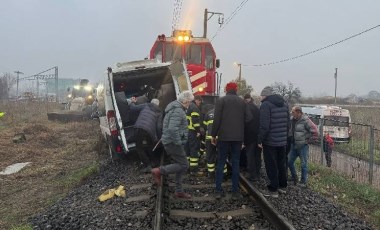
[89, 97]
[200, 89]
[76, 87]
[180, 38]
[186, 38]
[88, 88]
[69, 96]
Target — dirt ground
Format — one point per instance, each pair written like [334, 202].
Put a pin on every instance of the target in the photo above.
[61, 154]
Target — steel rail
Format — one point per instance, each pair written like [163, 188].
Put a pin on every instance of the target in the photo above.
[157, 221]
[274, 217]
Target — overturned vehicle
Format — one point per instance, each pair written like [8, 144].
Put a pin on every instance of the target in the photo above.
[145, 80]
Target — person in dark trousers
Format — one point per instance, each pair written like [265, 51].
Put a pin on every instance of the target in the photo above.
[193, 145]
[272, 138]
[251, 131]
[328, 145]
[148, 128]
[228, 126]
[303, 132]
[174, 138]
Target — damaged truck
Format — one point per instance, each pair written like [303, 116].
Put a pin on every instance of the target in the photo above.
[145, 80]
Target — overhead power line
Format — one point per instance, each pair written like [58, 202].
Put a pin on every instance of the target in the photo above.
[176, 14]
[314, 51]
[229, 18]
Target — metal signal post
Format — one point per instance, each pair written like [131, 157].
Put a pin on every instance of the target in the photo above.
[206, 18]
[18, 75]
[336, 81]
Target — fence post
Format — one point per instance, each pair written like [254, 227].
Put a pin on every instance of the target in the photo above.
[371, 153]
[321, 123]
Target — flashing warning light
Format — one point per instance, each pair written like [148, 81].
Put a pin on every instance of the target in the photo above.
[182, 35]
[69, 96]
[89, 97]
[200, 89]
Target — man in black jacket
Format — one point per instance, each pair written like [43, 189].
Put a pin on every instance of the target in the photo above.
[228, 126]
[148, 129]
[273, 133]
[251, 130]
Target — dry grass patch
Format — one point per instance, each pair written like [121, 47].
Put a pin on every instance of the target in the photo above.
[61, 155]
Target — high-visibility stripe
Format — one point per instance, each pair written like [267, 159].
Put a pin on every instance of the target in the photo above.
[193, 160]
[194, 114]
[225, 169]
[210, 165]
[198, 76]
[190, 121]
[208, 122]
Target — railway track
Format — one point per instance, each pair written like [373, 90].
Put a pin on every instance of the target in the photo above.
[147, 206]
[203, 211]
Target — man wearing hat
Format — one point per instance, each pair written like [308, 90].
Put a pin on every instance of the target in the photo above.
[273, 133]
[228, 126]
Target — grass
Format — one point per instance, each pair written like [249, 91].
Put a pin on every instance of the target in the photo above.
[359, 149]
[360, 199]
[79, 175]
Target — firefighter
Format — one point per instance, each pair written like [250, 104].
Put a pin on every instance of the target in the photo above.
[193, 116]
[210, 148]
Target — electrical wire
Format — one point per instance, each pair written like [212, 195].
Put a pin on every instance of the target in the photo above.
[176, 14]
[238, 8]
[314, 51]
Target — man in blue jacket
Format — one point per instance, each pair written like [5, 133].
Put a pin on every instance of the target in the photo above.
[272, 138]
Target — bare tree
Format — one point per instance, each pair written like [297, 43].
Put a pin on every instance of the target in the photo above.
[243, 88]
[290, 93]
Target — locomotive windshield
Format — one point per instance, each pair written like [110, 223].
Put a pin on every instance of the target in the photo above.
[193, 54]
[173, 51]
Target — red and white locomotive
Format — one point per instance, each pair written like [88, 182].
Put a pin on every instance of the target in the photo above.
[198, 54]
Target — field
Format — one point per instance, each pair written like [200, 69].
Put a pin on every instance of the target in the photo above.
[61, 155]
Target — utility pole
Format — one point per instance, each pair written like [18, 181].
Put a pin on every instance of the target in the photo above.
[18, 73]
[206, 18]
[239, 65]
[336, 81]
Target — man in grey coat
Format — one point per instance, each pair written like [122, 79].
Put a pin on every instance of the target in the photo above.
[174, 137]
[303, 131]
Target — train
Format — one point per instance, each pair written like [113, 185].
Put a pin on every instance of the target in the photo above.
[199, 55]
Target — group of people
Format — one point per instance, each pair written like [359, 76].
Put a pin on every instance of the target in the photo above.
[234, 124]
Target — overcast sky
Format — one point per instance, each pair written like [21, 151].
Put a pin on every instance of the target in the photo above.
[84, 37]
